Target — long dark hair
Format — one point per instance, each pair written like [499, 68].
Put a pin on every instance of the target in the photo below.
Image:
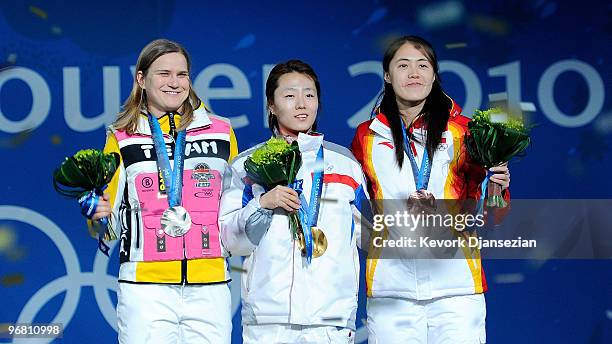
[279, 70]
[435, 110]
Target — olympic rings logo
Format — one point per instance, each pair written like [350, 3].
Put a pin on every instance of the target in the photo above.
[98, 279]
[71, 283]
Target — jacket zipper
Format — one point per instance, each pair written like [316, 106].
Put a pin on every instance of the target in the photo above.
[138, 229]
[292, 279]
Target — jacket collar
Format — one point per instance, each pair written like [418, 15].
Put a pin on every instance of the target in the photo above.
[380, 124]
[309, 142]
[200, 119]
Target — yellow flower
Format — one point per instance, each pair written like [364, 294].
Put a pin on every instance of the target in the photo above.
[271, 151]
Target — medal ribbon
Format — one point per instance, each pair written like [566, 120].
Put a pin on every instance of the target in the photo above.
[421, 176]
[309, 211]
[483, 193]
[173, 177]
[89, 202]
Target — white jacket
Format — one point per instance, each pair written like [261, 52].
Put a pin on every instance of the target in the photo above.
[280, 286]
[453, 177]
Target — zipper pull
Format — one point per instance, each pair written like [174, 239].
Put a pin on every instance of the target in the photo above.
[172, 131]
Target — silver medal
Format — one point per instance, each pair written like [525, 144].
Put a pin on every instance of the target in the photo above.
[176, 221]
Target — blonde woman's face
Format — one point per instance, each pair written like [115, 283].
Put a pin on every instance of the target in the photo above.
[166, 84]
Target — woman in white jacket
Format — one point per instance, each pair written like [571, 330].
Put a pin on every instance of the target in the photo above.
[284, 297]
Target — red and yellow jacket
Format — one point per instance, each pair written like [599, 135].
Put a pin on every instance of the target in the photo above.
[453, 176]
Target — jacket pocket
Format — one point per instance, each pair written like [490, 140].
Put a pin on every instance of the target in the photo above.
[202, 240]
[153, 222]
[156, 244]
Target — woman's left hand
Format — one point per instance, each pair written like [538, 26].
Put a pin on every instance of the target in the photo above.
[501, 175]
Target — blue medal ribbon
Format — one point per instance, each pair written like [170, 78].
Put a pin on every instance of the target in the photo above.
[309, 211]
[483, 193]
[421, 176]
[173, 177]
[89, 203]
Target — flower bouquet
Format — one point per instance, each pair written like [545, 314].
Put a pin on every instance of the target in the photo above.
[84, 176]
[493, 139]
[276, 162]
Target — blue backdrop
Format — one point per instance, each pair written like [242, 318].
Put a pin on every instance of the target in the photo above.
[68, 65]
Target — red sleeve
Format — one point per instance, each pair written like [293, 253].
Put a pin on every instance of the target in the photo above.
[473, 175]
[357, 143]
[359, 151]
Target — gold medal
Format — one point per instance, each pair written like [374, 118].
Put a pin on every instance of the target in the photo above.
[319, 242]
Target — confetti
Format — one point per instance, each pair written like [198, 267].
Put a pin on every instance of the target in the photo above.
[12, 58]
[490, 25]
[7, 238]
[509, 278]
[246, 41]
[56, 139]
[603, 124]
[376, 16]
[455, 45]
[440, 15]
[39, 12]
[11, 280]
[15, 140]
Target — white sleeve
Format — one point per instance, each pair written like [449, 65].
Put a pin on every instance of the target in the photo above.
[242, 225]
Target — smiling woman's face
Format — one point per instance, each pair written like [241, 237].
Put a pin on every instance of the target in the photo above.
[411, 75]
[166, 83]
[295, 103]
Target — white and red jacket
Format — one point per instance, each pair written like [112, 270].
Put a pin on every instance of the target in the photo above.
[453, 176]
[280, 287]
[138, 199]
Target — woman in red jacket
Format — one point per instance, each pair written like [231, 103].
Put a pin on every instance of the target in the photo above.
[413, 149]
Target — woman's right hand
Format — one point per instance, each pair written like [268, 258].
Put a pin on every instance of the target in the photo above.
[103, 209]
[281, 196]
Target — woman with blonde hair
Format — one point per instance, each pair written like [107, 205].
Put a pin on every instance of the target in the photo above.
[163, 203]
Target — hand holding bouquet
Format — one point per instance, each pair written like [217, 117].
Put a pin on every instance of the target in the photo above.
[276, 162]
